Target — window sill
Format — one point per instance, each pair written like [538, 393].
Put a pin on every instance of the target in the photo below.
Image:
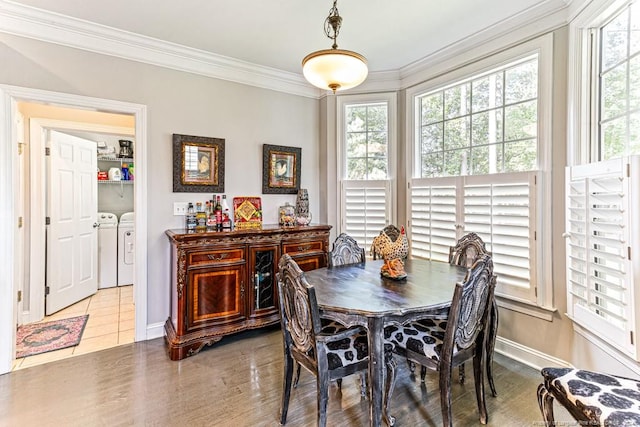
[544, 313]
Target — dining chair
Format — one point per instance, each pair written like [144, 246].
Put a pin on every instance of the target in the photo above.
[442, 344]
[345, 251]
[466, 251]
[328, 356]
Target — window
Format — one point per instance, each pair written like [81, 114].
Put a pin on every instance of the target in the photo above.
[479, 156]
[366, 140]
[602, 196]
[619, 84]
[486, 124]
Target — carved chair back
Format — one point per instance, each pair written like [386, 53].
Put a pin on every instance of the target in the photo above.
[470, 306]
[346, 251]
[300, 317]
[466, 333]
[467, 250]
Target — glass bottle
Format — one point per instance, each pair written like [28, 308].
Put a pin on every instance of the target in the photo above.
[201, 218]
[218, 212]
[211, 218]
[226, 214]
[190, 218]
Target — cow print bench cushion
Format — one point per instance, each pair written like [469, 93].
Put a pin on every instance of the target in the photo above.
[423, 337]
[608, 400]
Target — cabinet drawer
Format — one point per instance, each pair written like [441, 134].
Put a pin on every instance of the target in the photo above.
[310, 262]
[215, 256]
[301, 248]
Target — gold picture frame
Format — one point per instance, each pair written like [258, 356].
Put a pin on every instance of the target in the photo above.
[280, 169]
[198, 164]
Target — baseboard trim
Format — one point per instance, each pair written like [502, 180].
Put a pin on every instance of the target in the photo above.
[155, 330]
[527, 355]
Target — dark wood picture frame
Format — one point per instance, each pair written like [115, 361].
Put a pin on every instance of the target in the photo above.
[198, 164]
[280, 169]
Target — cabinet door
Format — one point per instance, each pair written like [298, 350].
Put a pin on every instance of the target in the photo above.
[263, 266]
[217, 296]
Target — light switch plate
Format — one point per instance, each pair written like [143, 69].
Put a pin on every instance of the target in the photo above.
[179, 208]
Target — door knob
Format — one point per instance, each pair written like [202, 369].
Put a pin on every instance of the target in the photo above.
[96, 225]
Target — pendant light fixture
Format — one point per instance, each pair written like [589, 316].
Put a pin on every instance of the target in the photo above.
[334, 69]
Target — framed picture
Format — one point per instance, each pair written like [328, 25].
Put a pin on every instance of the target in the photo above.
[280, 169]
[198, 164]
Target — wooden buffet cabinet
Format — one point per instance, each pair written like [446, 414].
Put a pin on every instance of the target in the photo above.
[225, 282]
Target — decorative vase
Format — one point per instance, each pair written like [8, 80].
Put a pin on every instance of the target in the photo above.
[303, 215]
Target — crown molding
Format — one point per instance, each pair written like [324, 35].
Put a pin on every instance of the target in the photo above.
[38, 24]
[532, 22]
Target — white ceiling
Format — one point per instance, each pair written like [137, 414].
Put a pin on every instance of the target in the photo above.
[279, 33]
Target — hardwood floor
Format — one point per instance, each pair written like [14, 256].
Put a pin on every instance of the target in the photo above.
[236, 382]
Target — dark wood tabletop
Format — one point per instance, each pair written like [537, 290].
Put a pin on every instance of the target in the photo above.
[361, 289]
[359, 295]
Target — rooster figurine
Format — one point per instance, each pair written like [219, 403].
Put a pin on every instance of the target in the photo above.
[393, 253]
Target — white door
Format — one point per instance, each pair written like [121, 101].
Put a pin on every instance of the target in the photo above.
[72, 235]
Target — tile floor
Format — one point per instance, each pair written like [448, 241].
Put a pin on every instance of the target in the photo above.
[111, 322]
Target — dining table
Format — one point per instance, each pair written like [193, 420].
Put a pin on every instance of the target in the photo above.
[358, 294]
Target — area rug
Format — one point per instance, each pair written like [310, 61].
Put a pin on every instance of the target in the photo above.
[36, 338]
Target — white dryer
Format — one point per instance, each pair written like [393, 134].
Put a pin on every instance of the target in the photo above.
[107, 250]
[126, 248]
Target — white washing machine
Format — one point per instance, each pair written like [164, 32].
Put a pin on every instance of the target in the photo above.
[126, 249]
[107, 250]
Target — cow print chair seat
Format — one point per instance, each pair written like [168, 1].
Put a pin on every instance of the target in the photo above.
[591, 398]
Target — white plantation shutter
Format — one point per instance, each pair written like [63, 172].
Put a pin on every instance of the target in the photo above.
[433, 218]
[603, 206]
[366, 209]
[500, 208]
[502, 212]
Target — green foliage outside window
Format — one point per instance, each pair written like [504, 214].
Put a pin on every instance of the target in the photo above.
[619, 107]
[487, 124]
[366, 142]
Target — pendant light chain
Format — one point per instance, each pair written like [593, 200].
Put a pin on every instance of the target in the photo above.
[333, 23]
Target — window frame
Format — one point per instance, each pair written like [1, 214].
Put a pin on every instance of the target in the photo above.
[583, 84]
[342, 102]
[583, 146]
[541, 304]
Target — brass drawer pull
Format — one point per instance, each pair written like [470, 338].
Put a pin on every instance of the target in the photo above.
[304, 248]
[217, 258]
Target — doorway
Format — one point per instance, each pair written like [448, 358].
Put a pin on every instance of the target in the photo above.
[11, 259]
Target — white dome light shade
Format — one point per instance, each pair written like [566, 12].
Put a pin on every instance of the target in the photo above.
[335, 69]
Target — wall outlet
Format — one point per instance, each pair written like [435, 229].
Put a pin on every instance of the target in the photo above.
[180, 208]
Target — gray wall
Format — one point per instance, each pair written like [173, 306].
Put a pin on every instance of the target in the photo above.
[246, 117]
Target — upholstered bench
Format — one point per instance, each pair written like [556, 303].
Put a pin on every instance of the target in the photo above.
[592, 398]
